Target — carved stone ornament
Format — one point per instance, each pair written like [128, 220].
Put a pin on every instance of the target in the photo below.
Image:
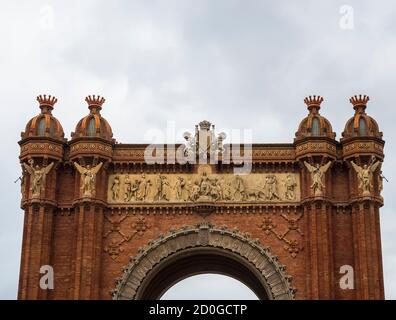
[365, 176]
[116, 235]
[278, 285]
[317, 176]
[204, 142]
[292, 245]
[203, 187]
[37, 177]
[88, 178]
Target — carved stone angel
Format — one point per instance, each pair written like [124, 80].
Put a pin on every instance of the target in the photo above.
[88, 178]
[365, 175]
[317, 174]
[37, 176]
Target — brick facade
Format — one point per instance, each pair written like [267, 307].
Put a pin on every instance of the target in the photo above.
[88, 241]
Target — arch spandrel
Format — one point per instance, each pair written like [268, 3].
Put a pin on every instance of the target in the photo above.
[204, 239]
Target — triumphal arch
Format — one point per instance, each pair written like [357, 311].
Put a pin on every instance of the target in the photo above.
[107, 220]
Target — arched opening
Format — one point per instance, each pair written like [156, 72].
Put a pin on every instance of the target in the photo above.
[201, 249]
[362, 127]
[91, 127]
[209, 286]
[41, 127]
[315, 127]
[197, 261]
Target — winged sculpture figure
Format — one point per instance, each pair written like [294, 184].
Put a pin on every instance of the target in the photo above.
[365, 175]
[317, 174]
[37, 176]
[88, 178]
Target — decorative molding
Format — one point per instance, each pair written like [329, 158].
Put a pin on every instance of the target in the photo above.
[115, 237]
[130, 154]
[273, 154]
[317, 148]
[212, 208]
[90, 147]
[370, 146]
[258, 153]
[291, 245]
[39, 149]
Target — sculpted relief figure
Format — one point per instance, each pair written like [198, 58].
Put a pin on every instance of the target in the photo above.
[290, 186]
[195, 191]
[365, 175]
[216, 190]
[88, 178]
[239, 188]
[227, 190]
[144, 188]
[115, 188]
[202, 187]
[161, 185]
[180, 187]
[37, 177]
[271, 187]
[317, 174]
[205, 189]
[205, 185]
[135, 189]
[127, 189]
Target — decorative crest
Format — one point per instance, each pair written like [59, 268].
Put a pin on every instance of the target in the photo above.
[205, 125]
[95, 101]
[204, 143]
[46, 102]
[313, 101]
[359, 101]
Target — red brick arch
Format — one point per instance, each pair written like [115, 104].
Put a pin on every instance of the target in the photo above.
[200, 249]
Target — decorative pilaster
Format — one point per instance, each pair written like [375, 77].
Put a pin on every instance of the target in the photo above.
[36, 251]
[319, 254]
[316, 152]
[88, 249]
[367, 251]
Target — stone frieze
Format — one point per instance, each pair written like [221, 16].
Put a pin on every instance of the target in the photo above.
[203, 187]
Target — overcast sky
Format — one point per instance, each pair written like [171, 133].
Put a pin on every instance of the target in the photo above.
[239, 64]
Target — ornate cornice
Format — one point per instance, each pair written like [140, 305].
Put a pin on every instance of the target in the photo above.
[356, 146]
[48, 147]
[91, 147]
[41, 147]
